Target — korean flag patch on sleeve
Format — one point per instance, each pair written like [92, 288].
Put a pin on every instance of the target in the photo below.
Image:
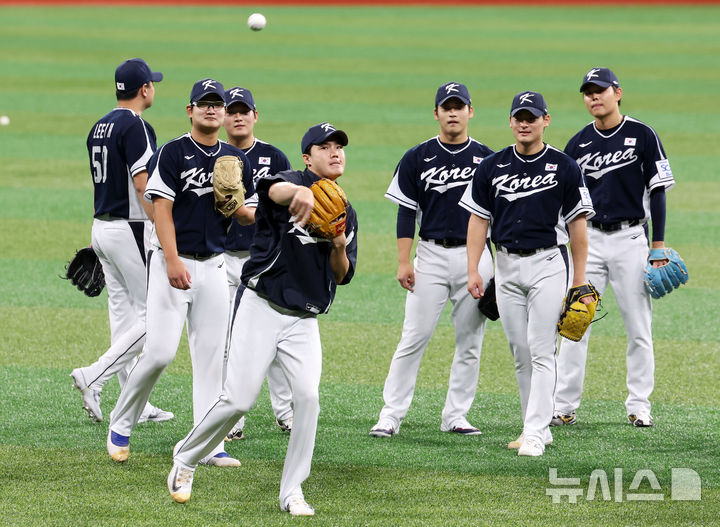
[585, 197]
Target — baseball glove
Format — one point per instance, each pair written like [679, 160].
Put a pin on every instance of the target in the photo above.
[228, 185]
[660, 281]
[85, 272]
[576, 316]
[328, 216]
[487, 304]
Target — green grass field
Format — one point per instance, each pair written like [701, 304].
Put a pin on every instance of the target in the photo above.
[372, 72]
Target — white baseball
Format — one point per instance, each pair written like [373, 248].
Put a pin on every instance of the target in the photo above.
[4, 120]
[256, 21]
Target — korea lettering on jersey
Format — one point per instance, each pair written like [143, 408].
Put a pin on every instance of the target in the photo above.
[621, 166]
[121, 143]
[431, 178]
[521, 197]
[181, 171]
[288, 265]
[265, 160]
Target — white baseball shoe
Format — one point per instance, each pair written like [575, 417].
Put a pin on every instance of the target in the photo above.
[384, 428]
[90, 396]
[118, 446]
[285, 424]
[154, 414]
[531, 447]
[514, 445]
[297, 506]
[180, 482]
[462, 427]
[222, 459]
[642, 420]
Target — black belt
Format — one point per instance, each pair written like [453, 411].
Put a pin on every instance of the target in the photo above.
[447, 242]
[198, 256]
[612, 227]
[522, 252]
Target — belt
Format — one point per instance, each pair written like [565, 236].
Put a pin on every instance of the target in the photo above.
[447, 242]
[612, 227]
[199, 256]
[522, 252]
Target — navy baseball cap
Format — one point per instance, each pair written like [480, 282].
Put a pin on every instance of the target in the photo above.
[531, 101]
[133, 73]
[450, 90]
[319, 134]
[242, 95]
[602, 77]
[205, 87]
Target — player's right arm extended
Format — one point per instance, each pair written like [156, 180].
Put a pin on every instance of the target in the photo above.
[299, 199]
[476, 236]
[178, 275]
[405, 273]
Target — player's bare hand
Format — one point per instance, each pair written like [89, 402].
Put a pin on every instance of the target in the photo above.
[475, 285]
[178, 275]
[406, 276]
[660, 263]
[301, 205]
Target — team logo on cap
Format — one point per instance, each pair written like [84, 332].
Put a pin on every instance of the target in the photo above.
[592, 74]
[120, 86]
[209, 83]
[451, 88]
[236, 92]
[526, 98]
[327, 127]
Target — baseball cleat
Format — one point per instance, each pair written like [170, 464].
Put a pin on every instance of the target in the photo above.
[383, 428]
[235, 433]
[222, 459]
[154, 414]
[559, 419]
[515, 445]
[180, 482]
[285, 424]
[641, 420]
[297, 506]
[90, 396]
[118, 446]
[531, 447]
[463, 428]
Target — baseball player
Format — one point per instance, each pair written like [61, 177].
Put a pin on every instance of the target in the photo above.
[265, 159]
[534, 197]
[428, 183]
[120, 145]
[187, 281]
[627, 174]
[291, 277]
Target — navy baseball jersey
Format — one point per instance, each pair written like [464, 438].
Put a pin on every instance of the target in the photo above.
[120, 145]
[621, 166]
[528, 199]
[182, 171]
[265, 160]
[431, 178]
[287, 265]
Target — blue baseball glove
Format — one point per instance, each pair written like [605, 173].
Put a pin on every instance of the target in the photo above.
[659, 281]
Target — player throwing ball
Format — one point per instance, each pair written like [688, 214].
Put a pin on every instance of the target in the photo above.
[187, 282]
[627, 174]
[428, 183]
[291, 278]
[534, 198]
